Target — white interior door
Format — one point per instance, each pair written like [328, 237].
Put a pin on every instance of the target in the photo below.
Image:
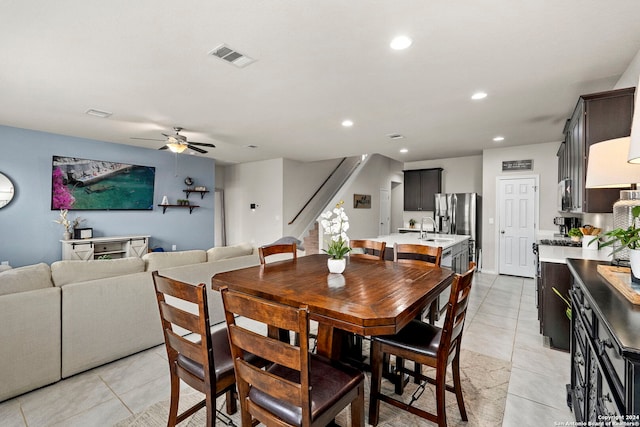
[517, 199]
[385, 212]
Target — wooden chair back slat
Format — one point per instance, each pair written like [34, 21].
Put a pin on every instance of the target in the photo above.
[416, 254]
[267, 348]
[273, 385]
[193, 350]
[265, 251]
[179, 317]
[372, 249]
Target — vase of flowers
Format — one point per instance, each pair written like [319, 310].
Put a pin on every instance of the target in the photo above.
[335, 224]
[67, 223]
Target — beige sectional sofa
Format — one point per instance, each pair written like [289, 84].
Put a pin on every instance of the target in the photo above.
[72, 316]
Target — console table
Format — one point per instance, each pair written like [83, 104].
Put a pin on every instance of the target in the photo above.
[605, 349]
[105, 247]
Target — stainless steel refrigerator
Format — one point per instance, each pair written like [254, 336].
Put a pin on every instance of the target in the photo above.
[459, 213]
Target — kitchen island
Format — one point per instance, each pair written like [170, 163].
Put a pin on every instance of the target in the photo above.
[455, 254]
[455, 248]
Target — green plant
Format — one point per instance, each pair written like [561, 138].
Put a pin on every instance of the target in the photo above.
[575, 232]
[568, 310]
[336, 223]
[412, 222]
[628, 238]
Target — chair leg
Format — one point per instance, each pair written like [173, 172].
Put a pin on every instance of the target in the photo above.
[376, 380]
[399, 376]
[357, 409]
[441, 413]
[232, 404]
[175, 399]
[457, 384]
[211, 410]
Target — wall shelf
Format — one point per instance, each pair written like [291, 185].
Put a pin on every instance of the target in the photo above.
[202, 192]
[191, 207]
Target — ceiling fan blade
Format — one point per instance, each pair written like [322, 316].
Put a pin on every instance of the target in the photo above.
[203, 144]
[164, 147]
[194, 148]
[147, 139]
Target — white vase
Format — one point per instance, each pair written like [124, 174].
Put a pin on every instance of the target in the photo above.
[66, 235]
[634, 261]
[336, 265]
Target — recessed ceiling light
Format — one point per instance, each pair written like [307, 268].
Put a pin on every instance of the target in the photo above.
[498, 138]
[479, 95]
[97, 113]
[400, 43]
[404, 150]
[347, 123]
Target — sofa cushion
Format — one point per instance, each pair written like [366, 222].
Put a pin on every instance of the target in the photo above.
[73, 271]
[225, 252]
[28, 278]
[157, 260]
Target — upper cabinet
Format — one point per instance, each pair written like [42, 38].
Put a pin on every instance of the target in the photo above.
[420, 187]
[597, 117]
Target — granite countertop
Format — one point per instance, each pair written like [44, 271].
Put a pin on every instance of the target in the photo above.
[559, 254]
[432, 239]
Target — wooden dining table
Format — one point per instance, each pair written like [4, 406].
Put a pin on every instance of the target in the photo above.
[369, 298]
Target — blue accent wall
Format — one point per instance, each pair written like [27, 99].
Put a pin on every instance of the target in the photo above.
[28, 234]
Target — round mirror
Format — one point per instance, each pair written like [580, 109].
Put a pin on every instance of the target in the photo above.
[6, 190]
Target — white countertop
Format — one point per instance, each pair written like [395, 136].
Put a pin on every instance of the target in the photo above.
[432, 239]
[559, 254]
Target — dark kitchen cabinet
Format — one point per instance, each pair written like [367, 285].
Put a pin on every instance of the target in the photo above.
[554, 322]
[597, 117]
[420, 187]
[605, 350]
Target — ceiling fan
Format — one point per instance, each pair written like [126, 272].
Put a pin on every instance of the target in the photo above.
[178, 143]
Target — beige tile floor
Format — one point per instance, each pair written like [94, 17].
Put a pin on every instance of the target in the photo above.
[502, 323]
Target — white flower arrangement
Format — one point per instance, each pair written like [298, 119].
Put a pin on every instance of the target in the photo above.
[66, 222]
[336, 224]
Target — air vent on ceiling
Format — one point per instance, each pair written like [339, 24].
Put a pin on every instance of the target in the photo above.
[232, 56]
[395, 136]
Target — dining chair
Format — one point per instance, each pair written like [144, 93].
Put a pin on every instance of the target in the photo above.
[352, 343]
[409, 253]
[371, 249]
[278, 248]
[204, 364]
[415, 254]
[297, 388]
[267, 250]
[429, 345]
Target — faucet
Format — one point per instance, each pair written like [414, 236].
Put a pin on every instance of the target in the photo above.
[423, 232]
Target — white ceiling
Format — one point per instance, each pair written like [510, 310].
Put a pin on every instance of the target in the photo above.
[318, 62]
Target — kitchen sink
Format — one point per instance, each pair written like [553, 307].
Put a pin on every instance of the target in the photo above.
[438, 240]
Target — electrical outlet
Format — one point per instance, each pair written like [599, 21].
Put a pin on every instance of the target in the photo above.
[173, 248]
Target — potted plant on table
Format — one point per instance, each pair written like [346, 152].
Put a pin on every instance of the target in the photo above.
[627, 238]
[412, 223]
[575, 234]
[336, 223]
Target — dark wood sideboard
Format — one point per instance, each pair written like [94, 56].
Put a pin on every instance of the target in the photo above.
[605, 349]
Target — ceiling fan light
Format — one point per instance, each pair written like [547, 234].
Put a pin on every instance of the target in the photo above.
[176, 147]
